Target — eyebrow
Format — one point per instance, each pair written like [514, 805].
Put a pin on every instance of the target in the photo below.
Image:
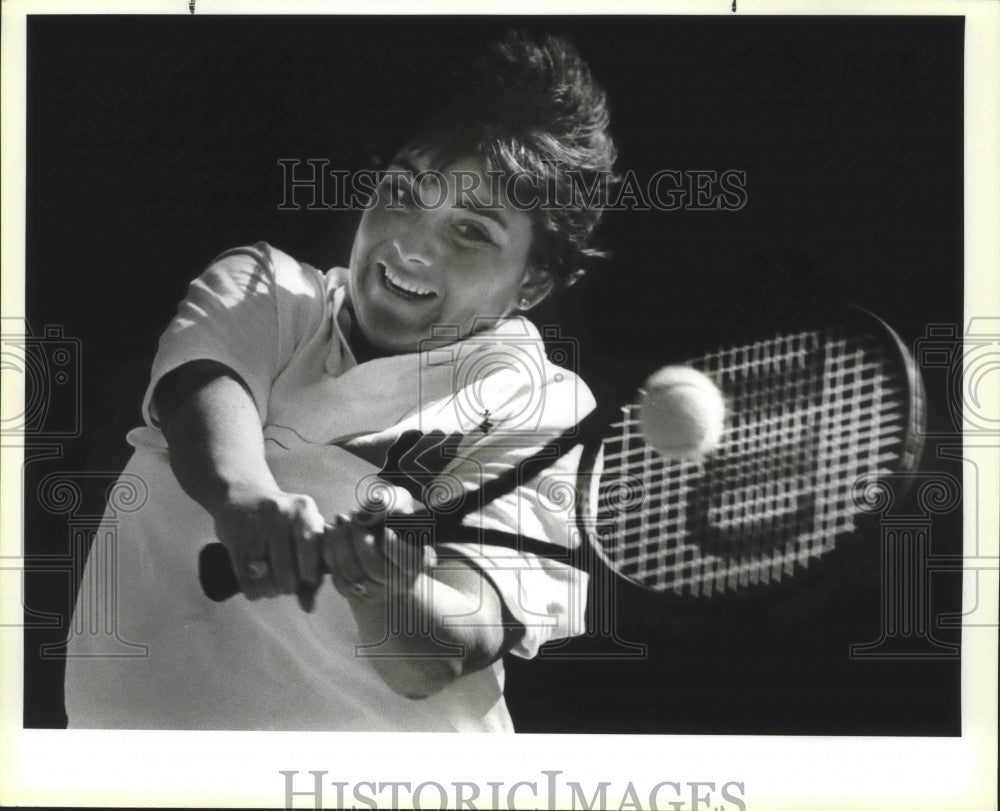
[493, 212]
[405, 164]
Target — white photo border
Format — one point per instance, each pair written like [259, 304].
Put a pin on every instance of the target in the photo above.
[77, 768]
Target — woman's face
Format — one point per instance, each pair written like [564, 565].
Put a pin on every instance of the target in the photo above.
[426, 254]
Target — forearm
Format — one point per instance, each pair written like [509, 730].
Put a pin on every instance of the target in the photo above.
[216, 447]
[448, 624]
[213, 433]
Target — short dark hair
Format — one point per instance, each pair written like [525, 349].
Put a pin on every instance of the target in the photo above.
[531, 106]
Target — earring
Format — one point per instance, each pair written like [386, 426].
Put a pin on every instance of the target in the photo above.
[524, 303]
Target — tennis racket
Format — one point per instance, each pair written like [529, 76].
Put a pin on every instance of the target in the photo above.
[814, 418]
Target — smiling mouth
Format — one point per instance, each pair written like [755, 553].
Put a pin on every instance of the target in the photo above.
[403, 287]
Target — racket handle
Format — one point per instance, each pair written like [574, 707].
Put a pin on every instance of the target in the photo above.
[215, 567]
[215, 573]
[219, 583]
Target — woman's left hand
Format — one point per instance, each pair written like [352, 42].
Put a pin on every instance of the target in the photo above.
[367, 560]
[430, 623]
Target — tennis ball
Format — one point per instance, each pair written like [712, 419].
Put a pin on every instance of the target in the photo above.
[681, 412]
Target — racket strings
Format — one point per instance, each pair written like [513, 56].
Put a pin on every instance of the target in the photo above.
[809, 414]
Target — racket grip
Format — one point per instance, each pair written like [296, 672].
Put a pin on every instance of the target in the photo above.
[215, 573]
[215, 567]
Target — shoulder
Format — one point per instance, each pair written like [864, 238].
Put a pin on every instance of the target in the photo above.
[263, 269]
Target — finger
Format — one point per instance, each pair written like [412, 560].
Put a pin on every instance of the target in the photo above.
[348, 576]
[367, 538]
[404, 502]
[251, 564]
[281, 549]
[395, 499]
[309, 528]
[255, 579]
[408, 558]
[345, 571]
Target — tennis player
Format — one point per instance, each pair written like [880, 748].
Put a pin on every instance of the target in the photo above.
[283, 397]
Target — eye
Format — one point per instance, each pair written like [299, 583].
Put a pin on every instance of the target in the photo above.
[402, 194]
[474, 232]
[397, 191]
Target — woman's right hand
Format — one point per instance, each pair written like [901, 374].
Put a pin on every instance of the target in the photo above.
[216, 447]
[274, 540]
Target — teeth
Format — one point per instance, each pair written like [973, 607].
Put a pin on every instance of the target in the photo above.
[409, 287]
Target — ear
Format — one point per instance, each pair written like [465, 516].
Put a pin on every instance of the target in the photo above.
[535, 287]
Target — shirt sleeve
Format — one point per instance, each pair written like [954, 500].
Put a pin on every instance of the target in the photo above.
[548, 597]
[248, 310]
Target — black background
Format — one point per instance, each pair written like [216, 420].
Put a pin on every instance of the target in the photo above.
[153, 144]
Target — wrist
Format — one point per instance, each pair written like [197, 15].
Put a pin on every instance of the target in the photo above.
[228, 491]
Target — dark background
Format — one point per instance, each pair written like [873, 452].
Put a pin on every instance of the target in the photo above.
[153, 144]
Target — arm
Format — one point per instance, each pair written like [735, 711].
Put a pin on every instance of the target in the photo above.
[217, 453]
[216, 450]
[432, 622]
[448, 648]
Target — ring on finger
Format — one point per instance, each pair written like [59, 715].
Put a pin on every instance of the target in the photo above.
[257, 569]
[360, 591]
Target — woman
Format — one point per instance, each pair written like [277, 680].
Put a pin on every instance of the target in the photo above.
[281, 394]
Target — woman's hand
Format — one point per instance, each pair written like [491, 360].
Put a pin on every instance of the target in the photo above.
[423, 623]
[274, 540]
[366, 560]
[369, 562]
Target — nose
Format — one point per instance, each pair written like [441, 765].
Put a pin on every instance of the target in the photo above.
[415, 245]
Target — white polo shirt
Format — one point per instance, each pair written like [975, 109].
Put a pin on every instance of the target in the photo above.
[329, 426]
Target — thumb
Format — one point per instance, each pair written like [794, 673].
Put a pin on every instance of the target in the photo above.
[407, 554]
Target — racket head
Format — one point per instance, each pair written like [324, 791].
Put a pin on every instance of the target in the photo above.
[816, 416]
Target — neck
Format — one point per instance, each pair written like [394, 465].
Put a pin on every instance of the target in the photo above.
[363, 349]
